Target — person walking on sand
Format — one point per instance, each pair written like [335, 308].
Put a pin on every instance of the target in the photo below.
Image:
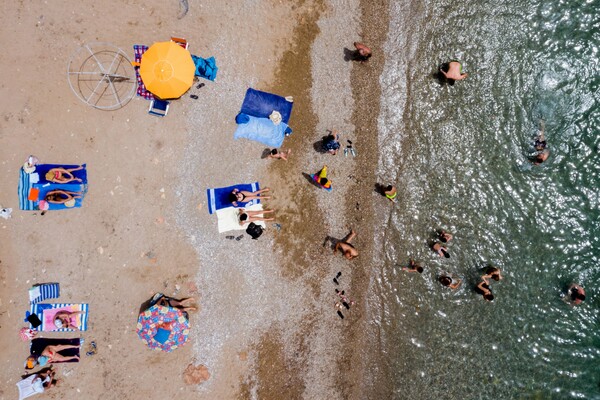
[62, 175]
[348, 250]
[245, 217]
[363, 52]
[390, 193]
[413, 267]
[453, 71]
[542, 152]
[440, 250]
[281, 155]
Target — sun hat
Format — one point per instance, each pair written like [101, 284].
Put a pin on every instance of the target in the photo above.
[49, 176]
[28, 168]
[43, 205]
[275, 117]
[70, 203]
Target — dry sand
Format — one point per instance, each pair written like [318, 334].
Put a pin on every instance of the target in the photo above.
[266, 327]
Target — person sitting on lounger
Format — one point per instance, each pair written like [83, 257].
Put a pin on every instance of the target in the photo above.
[62, 175]
[63, 320]
[243, 196]
[245, 217]
[51, 354]
[65, 197]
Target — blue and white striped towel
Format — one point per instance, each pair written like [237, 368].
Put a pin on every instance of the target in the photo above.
[44, 291]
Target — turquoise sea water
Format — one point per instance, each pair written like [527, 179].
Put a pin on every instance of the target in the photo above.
[459, 157]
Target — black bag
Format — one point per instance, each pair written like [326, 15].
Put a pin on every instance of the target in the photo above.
[254, 230]
[34, 320]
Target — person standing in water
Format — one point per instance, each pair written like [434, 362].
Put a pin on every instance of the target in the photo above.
[390, 193]
[542, 152]
[453, 71]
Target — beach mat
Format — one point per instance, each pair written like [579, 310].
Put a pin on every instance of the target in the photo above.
[218, 198]
[228, 218]
[262, 104]
[261, 130]
[39, 344]
[43, 291]
[138, 52]
[46, 313]
[36, 181]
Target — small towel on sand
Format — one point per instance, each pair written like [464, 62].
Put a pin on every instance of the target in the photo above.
[218, 198]
[205, 67]
[228, 218]
[44, 291]
[46, 313]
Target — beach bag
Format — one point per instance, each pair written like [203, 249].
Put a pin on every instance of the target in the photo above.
[254, 230]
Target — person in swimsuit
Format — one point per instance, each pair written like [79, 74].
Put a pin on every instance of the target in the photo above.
[62, 175]
[491, 273]
[363, 53]
[244, 196]
[413, 267]
[51, 354]
[61, 196]
[444, 236]
[62, 319]
[42, 380]
[453, 72]
[245, 217]
[483, 288]
[321, 180]
[347, 249]
[390, 192]
[448, 280]
[331, 142]
[440, 250]
[575, 294]
[540, 144]
[281, 155]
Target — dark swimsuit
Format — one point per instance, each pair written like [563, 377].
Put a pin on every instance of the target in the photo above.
[481, 292]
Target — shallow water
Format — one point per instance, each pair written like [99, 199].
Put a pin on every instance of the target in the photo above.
[459, 155]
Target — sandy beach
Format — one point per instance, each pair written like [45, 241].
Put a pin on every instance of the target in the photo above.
[266, 325]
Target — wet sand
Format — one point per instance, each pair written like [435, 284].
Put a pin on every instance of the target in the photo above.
[266, 326]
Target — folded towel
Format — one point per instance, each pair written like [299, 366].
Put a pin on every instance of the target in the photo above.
[46, 313]
[228, 218]
[218, 198]
[205, 67]
[44, 291]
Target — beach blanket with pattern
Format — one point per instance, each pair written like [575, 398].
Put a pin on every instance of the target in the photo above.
[46, 313]
[37, 182]
[218, 198]
[138, 51]
[44, 291]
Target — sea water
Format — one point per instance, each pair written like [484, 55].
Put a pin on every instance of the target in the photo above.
[460, 158]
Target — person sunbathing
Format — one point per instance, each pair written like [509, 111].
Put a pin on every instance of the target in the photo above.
[62, 175]
[51, 354]
[43, 380]
[348, 250]
[244, 196]
[65, 197]
[63, 320]
[184, 305]
[245, 217]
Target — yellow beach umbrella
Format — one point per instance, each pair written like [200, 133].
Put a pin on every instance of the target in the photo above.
[167, 70]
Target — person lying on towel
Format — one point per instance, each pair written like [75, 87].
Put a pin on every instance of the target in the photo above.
[51, 354]
[243, 196]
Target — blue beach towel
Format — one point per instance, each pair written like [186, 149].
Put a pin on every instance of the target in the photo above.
[44, 291]
[218, 198]
[262, 130]
[38, 181]
[205, 68]
[262, 104]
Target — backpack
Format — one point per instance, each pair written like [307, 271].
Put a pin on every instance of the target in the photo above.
[254, 230]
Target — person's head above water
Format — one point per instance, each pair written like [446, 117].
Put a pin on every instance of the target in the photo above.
[445, 280]
[489, 296]
[445, 253]
[576, 294]
[389, 188]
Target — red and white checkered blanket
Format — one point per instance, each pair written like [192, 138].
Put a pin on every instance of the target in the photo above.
[138, 50]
